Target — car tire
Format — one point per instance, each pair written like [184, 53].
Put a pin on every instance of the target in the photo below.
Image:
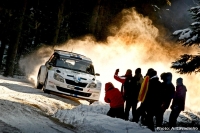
[38, 86]
[45, 83]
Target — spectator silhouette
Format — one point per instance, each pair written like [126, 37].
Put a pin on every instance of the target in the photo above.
[178, 103]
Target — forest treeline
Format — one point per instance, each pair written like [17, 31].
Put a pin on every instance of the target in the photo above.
[27, 24]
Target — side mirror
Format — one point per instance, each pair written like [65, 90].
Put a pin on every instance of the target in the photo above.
[97, 74]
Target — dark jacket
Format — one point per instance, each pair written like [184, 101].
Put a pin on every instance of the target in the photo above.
[167, 94]
[122, 79]
[113, 96]
[153, 96]
[168, 91]
[131, 89]
[179, 97]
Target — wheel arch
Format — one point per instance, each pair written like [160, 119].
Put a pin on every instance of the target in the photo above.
[42, 74]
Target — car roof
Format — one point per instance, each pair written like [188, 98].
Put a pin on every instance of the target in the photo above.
[72, 55]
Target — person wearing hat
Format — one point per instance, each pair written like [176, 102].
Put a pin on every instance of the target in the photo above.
[178, 103]
[128, 90]
[122, 79]
[116, 101]
[152, 101]
[141, 112]
[168, 91]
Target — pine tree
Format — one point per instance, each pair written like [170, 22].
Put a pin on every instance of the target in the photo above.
[187, 64]
[16, 35]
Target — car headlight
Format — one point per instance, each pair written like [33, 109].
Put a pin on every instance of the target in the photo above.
[58, 77]
[92, 85]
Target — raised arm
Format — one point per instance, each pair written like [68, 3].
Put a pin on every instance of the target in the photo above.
[121, 79]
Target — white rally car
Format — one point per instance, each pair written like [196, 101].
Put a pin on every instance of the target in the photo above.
[71, 74]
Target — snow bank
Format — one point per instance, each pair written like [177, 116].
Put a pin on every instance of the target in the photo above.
[93, 119]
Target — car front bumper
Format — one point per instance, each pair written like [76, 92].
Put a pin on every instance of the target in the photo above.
[72, 90]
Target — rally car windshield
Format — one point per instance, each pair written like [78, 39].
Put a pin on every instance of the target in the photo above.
[74, 64]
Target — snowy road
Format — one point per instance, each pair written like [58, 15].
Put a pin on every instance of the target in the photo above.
[26, 109]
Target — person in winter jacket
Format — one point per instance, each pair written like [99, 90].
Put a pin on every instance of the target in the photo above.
[122, 79]
[129, 91]
[178, 103]
[152, 100]
[141, 112]
[168, 91]
[115, 99]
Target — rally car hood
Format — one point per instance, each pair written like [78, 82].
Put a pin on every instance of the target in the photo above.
[75, 75]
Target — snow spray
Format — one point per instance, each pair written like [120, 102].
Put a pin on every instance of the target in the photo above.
[133, 44]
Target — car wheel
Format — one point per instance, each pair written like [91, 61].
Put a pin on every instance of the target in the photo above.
[38, 86]
[45, 83]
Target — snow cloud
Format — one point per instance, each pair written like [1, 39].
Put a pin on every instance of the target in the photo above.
[135, 43]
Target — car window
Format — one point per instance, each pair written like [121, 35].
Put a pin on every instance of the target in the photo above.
[53, 60]
[69, 62]
[74, 64]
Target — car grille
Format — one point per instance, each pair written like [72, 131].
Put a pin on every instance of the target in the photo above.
[75, 84]
[77, 88]
[74, 92]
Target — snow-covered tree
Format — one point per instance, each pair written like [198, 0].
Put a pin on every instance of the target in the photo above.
[189, 37]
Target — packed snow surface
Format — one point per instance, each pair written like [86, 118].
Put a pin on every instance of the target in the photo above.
[24, 109]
